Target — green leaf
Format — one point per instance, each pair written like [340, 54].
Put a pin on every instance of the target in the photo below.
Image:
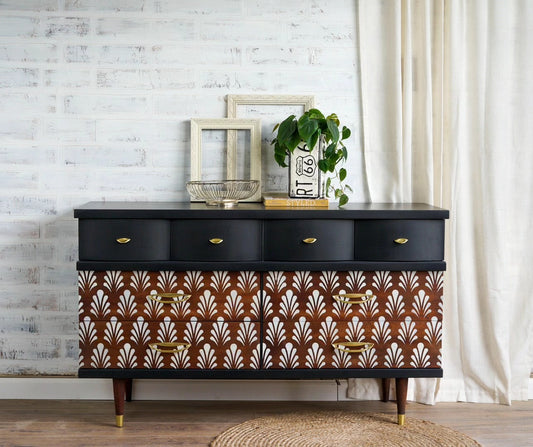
[343, 200]
[346, 132]
[328, 184]
[293, 141]
[315, 114]
[279, 155]
[333, 130]
[275, 127]
[348, 187]
[323, 165]
[330, 150]
[338, 193]
[306, 127]
[342, 174]
[344, 153]
[280, 159]
[286, 129]
[333, 117]
[312, 141]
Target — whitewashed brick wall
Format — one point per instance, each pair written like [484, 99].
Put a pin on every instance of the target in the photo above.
[95, 102]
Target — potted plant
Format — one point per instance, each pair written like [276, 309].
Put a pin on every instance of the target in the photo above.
[314, 131]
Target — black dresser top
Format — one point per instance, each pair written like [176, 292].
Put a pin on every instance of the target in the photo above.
[177, 210]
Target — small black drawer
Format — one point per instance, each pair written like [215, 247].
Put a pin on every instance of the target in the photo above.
[124, 239]
[308, 240]
[399, 240]
[215, 240]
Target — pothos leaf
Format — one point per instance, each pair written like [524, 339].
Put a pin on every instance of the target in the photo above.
[346, 132]
[293, 141]
[315, 114]
[286, 129]
[306, 127]
[280, 160]
[333, 130]
[343, 200]
[342, 174]
[323, 165]
[333, 117]
[311, 142]
[330, 150]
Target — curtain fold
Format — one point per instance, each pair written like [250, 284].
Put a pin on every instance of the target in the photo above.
[447, 106]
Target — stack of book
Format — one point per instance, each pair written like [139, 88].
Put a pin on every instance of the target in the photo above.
[279, 199]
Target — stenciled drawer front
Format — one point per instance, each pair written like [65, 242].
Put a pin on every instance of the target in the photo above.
[308, 240]
[168, 344]
[180, 296]
[399, 240]
[124, 239]
[344, 295]
[352, 344]
[215, 240]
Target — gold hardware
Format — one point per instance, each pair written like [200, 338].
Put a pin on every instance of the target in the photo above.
[358, 346]
[181, 297]
[216, 240]
[169, 347]
[123, 240]
[309, 240]
[119, 420]
[401, 419]
[401, 240]
[345, 298]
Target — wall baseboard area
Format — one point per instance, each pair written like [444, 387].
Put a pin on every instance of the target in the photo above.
[146, 389]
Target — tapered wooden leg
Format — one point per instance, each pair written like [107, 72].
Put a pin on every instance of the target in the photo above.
[119, 391]
[401, 398]
[129, 387]
[385, 386]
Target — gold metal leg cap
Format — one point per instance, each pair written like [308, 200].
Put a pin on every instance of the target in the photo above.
[401, 419]
[119, 420]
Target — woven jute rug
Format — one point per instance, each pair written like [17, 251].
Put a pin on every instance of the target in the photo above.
[339, 428]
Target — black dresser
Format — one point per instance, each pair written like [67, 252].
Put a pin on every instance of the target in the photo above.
[183, 290]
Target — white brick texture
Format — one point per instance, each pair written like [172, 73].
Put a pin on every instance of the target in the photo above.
[96, 98]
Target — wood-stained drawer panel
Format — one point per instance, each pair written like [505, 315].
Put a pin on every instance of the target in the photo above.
[399, 240]
[216, 240]
[124, 239]
[381, 344]
[179, 345]
[308, 240]
[344, 295]
[181, 296]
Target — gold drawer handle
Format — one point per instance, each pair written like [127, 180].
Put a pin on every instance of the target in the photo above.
[159, 297]
[123, 240]
[309, 240]
[169, 347]
[401, 240]
[354, 298]
[216, 240]
[352, 347]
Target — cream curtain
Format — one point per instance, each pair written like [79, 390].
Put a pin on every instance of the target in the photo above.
[447, 102]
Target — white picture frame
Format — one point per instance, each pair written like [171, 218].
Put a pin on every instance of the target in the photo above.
[273, 177]
[198, 125]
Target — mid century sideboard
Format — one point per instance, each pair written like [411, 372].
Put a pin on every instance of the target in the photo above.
[184, 290]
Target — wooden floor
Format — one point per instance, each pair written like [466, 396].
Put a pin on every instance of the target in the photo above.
[178, 423]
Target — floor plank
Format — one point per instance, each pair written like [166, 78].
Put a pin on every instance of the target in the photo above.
[56, 423]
